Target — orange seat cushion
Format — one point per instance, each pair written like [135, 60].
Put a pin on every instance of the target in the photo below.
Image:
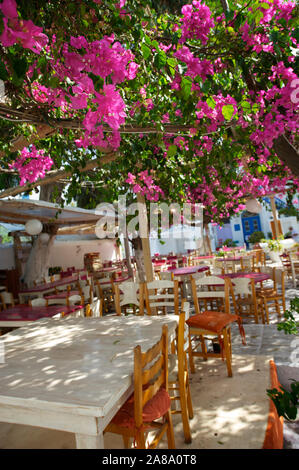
[212, 321]
[154, 409]
[215, 322]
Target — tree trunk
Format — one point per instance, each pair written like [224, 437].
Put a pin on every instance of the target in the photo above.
[37, 265]
[52, 192]
[137, 245]
[128, 258]
[287, 153]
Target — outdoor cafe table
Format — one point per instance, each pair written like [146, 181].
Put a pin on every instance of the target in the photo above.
[258, 277]
[42, 289]
[22, 315]
[74, 374]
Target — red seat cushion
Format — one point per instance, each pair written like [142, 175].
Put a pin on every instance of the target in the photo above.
[156, 407]
[215, 322]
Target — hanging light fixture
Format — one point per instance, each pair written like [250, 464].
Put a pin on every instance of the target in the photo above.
[254, 206]
[44, 237]
[33, 227]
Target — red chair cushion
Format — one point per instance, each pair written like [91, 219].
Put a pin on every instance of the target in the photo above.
[212, 321]
[215, 322]
[156, 407]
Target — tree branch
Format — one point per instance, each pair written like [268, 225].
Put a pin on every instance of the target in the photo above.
[58, 175]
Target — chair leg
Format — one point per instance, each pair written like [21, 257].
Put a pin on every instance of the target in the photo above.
[277, 308]
[126, 441]
[170, 433]
[191, 359]
[184, 407]
[188, 392]
[140, 440]
[203, 348]
[266, 310]
[227, 353]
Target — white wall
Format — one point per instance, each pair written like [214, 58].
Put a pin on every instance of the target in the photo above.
[65, 253]
[71, 253]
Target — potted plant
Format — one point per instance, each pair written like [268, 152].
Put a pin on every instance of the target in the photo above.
[275, 247]
[255, 238]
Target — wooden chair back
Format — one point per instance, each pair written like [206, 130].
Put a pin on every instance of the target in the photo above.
[247, 263]
[150, 374]
[94, 309]
[129, 293]
[161, 295]
[209, 289]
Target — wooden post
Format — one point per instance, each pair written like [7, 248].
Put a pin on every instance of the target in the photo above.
[208, 243]
[276, 225]
[128, 256]
[143, 227]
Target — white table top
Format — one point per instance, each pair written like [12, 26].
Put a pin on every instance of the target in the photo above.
[79, 365]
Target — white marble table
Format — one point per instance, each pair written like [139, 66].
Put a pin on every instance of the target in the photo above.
[73, 374]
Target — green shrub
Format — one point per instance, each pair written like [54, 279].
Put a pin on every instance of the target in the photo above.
[256, 237]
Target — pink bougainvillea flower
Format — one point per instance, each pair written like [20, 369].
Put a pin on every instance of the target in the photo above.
[9, 8]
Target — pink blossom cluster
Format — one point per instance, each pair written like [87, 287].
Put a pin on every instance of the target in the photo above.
[214, 111]
[196, 22]
[32, 164]
[196, 67]
[20, 31]
[278, 105]
[144, 184]
[277, 10]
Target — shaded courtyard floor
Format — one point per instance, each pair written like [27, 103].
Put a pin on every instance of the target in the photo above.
[229, 413]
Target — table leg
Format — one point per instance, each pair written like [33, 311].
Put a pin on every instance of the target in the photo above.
[84, 441]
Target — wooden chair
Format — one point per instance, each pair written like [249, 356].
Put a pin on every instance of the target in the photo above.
[270, 271]
[245, 300]
[259, 258]
[105, 290]
[161, 296]
[95, 309]
[129, 293]
[150, 401]
[40, 302]
[166, 276]
[86, 293]
[179, 387]
[277, 295]
[211, 325]
[286, 263]
[247, 264]
[211, 291]
[218, 266]
[7, 299]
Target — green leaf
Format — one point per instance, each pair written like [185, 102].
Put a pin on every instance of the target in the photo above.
[228, 111]
[186, 85]
[146, 51]
[211, 102]
[264, 5]
[20, 67]
[160, 59]
[172, 150]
